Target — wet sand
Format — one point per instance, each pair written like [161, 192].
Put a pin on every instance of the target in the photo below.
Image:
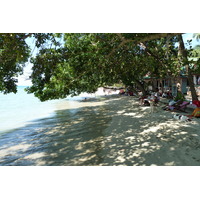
[109, 131]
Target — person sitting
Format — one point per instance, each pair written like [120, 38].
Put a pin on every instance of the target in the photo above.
[164, 95]
[121, 92]
[169, 94]
[145, 100]
[130, 93]
[172, 104]
[179, 96]
[142, 99]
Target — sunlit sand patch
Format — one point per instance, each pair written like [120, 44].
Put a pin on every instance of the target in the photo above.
[131, 138]
[195, 135]
[181, 133]
[130, 114]
[55, 130]
[151, 129]
[81, 145]
[172, 148]
[120, 159]
[14, 149]
[87, 151]
[35, 155]
[53, 154]
[50, 132]
[164, 127]
[135, 115]
[83, 159]
[129, 131]
[146, 144]
[76, 104]
[40, 163]
[77, 122]
[170, 163]
[121, 112]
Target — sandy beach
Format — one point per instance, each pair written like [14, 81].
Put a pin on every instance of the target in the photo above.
[117, 131]
[139, 137]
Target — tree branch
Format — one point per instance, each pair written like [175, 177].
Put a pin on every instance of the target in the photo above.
[153, 36]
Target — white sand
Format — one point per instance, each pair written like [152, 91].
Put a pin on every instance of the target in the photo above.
[132, 136]
[140, 138]
[135, 136]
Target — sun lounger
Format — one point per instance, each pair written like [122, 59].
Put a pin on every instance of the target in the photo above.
[178, 107]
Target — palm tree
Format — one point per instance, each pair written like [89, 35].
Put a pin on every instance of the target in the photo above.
[196, 36]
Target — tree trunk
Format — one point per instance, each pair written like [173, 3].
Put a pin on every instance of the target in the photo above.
[153, 85]
[191, 84]
[140, 86]
[134, 90]
[161, 85]
[183, 53]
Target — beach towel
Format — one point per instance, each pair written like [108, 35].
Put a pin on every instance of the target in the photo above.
[182, 118]
[196, 112]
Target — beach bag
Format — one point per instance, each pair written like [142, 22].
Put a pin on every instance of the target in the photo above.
[196, 112]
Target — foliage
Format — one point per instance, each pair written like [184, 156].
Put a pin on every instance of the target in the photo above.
[196, 36]
[88, 61]
[195, 53]
[85, 62]
[14, 52]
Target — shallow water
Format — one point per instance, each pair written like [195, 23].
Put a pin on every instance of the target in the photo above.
[71, 137]
[19, 109]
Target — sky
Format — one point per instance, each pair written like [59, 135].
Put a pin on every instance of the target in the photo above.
[189, 36]
[24, 81]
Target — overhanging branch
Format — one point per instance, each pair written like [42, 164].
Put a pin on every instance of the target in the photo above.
[150, 37]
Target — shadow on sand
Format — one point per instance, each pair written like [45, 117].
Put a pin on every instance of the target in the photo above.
[116, 133]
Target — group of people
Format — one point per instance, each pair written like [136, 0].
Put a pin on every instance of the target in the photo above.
[126, 92]
[153, 97]
[167, 94]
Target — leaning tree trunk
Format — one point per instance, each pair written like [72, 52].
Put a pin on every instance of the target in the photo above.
[134, 90]
[161, 84]
[183, 53]
[140, 86]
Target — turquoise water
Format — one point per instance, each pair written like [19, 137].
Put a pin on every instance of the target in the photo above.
[19, 109]
[59, 132]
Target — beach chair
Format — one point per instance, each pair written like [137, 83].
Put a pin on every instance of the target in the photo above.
[179, 107]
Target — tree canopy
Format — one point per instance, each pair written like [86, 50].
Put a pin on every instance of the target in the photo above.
[84, 62]
[14, 52]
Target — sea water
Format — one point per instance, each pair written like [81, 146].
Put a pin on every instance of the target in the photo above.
[59, 132]
[19, 109]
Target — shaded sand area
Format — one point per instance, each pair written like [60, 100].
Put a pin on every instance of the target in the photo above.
[111, 130]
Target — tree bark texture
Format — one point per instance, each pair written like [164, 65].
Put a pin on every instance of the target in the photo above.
[140, 86]
[183, 53]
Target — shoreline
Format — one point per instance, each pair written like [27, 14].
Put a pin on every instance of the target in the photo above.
[112, 130]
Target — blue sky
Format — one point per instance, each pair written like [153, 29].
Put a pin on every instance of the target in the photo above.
[22, 80]
[189, 36]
